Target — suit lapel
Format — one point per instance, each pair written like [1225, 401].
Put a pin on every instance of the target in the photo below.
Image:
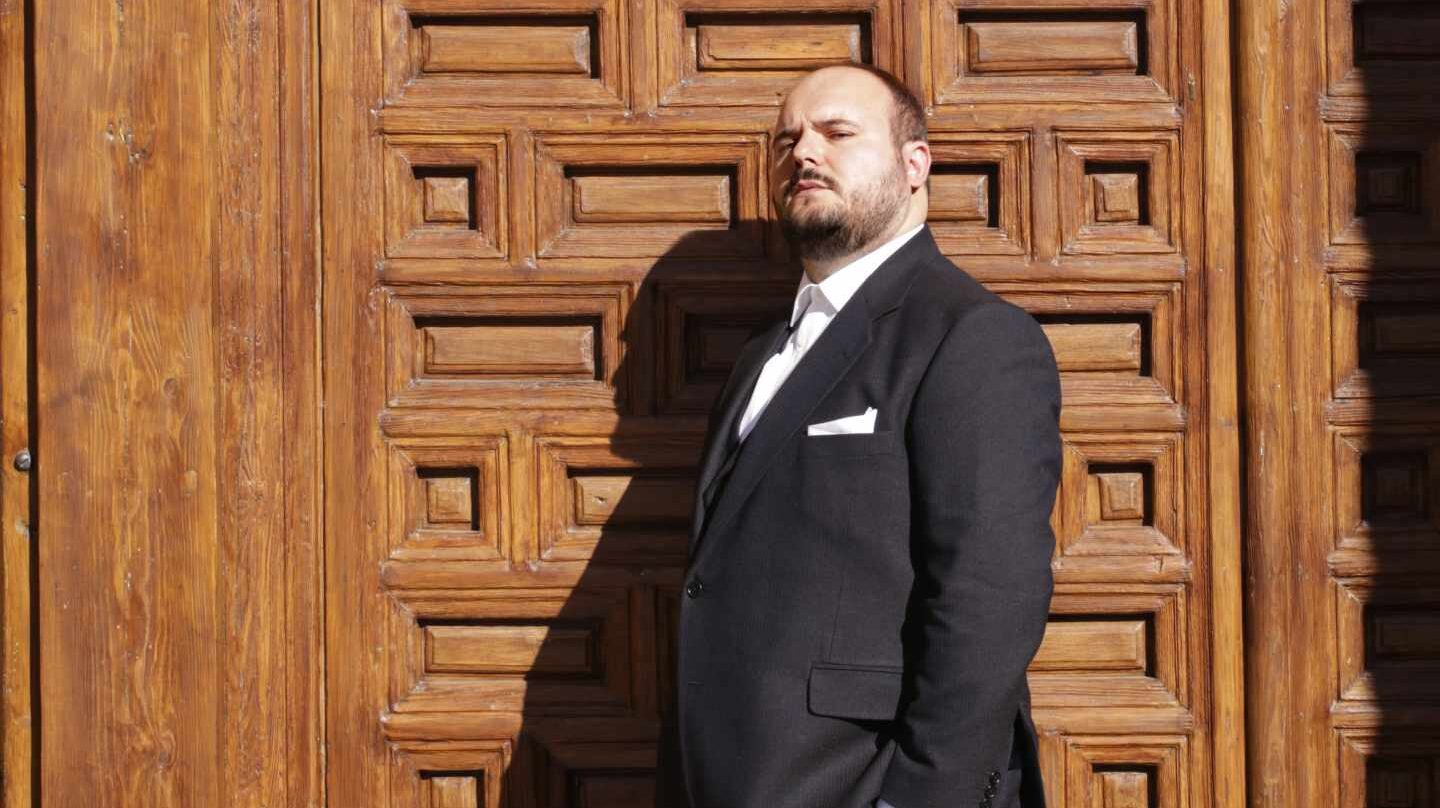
[813, 378]
[732, 403]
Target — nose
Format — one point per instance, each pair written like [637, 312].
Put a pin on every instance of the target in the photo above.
[806, 150]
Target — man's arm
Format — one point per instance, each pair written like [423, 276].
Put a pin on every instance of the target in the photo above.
[984, 448]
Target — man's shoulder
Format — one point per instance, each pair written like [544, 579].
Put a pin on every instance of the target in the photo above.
[948, 293]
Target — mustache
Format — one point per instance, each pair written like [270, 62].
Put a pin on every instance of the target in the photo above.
[809, 175]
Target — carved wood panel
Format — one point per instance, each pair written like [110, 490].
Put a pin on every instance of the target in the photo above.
[547, 237]
[1346, 513]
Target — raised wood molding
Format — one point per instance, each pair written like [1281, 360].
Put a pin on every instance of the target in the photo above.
[1337, 245]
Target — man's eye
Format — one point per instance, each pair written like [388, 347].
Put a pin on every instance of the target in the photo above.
[841, 134]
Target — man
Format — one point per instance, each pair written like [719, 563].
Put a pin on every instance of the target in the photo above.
[870, 559]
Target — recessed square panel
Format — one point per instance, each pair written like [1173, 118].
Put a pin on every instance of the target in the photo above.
[1119, 193]
[1388, 644]
[618, 196]
[471, 53]
[1388, 767]
[700, 331]
[1053, 51]
[1120, 496]
[1387, 490]
[739, 53]
[1385, 338]
[446, 499]
[445, 197]
[448, 774]
[980, 193]
[1382, 47]
[610, 500]
[1125, 772]
[1384, 184]
[516, 346]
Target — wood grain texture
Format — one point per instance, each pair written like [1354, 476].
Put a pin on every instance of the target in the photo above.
[17, 520]
[505, 49]
[182, 602]
[1336, 584]
[131, 618]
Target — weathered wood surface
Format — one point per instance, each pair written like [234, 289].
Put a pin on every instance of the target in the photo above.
[177, 608]
[1339, 142]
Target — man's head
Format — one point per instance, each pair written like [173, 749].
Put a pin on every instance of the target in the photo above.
[850, 161]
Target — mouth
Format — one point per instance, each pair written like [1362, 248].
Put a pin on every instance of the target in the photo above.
[801, 187]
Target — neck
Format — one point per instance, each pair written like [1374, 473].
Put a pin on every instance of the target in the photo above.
[819, 270]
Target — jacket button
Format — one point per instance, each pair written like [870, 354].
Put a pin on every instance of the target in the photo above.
[695, 587]
[994, 778]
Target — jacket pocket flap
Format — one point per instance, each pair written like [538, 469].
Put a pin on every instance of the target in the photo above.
[850, 692]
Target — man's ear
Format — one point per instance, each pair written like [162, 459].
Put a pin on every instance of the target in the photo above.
[916, 157]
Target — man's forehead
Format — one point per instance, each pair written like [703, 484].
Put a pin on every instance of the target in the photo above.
[821, 99]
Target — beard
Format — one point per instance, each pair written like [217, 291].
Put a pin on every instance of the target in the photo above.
[856, 221]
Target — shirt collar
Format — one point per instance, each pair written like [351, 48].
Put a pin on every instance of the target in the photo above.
[842, 284]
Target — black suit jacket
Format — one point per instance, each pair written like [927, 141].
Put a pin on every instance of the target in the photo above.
[859, 610]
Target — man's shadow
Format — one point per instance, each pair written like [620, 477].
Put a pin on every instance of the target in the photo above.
[1388, 475]
[605, 672]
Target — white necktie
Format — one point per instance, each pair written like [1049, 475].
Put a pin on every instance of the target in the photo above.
[807, 328]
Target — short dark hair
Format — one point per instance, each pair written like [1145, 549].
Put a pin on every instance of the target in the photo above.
[907, 120]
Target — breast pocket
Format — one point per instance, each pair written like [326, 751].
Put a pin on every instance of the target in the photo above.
[874, 443]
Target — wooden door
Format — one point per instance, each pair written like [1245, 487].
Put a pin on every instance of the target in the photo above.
[546, 234]
[1341, 215]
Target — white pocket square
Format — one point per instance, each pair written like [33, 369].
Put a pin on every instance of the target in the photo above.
[862, 424]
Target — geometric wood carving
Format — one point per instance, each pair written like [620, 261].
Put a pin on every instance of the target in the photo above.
[1125, 772]
[540, 651]
[1120, 496]
[1112, 347]
[1119, 193]
[507, 346]
[1388, 772]
[1384, 184]
[502, 55]
[446, 498]
[1388, 643]
[996, 50]
[700, 329]
[1094, 645]
[1083, 45]
[466, 774]
[732, 53]
[1385, 338]
[628, 499]
[602, 196]
[980, 192]
[1379, 48]
[1387, 490]
[445, 197]
[495, 47]
[1122, 649]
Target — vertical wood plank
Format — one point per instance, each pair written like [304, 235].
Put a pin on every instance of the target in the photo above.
[176, 284]
[356, 762]
[16, 535]
[1286, 509]
[1223, 469]
[298, 210]
[126, 379]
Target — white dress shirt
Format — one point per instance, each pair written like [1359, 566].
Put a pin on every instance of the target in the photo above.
[816, 304]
